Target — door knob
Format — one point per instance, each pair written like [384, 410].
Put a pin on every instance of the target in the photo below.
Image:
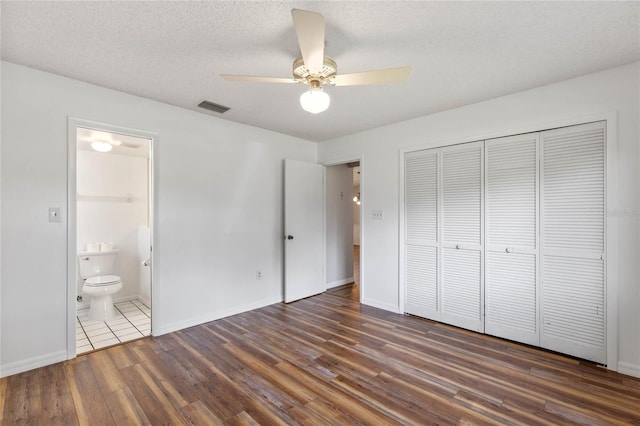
[289, 237]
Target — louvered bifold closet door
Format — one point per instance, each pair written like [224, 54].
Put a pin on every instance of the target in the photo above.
[462, 235]
[511, 250]
[421, 233]
[573, 241]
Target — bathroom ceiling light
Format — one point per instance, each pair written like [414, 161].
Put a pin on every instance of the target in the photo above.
[101, 146]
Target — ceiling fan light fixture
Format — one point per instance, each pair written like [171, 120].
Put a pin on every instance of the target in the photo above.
[101, 146]
[315, 100]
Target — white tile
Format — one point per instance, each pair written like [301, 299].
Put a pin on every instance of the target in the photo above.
[145, 331]
[122, 326]
[127, 308]
[117, 321]
[92, 325]
[125, 331]
[101, 337]
[131, 336]
[98, 332]
[142, 323]
[138, 316]
[83, 349]
[106, 343]
[82, 342]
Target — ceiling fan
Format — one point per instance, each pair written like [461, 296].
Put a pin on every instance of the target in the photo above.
[315, 70]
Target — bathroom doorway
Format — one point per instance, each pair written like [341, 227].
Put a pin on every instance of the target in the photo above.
[343, 239]
[110, 236]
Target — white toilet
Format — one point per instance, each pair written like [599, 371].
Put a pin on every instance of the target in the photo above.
[96, 268]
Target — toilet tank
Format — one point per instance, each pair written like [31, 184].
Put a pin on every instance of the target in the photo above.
[93, 264]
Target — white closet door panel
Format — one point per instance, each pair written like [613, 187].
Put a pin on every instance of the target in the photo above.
[573, 307]
[421, 196]
[573, 236]
[462, 194]
[573, 188]
[511, 262]
[421, 281]
[461, 288]
[511, 191]
[511, 309]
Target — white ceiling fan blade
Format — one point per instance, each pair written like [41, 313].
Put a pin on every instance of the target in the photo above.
[257, 79]
[127, 145]
[386, 76]
[310, 28]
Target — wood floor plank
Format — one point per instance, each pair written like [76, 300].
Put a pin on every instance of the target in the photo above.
[91, 407]
[57, 404]
[322, 360]
[125, 408]
[3, 395]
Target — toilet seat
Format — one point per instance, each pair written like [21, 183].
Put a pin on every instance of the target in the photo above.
[102, 280]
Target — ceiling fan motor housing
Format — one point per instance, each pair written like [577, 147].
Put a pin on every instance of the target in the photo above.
[301, 72]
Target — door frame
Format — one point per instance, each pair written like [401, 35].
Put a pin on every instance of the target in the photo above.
[72, 125]
[338, 162]
[611, 226]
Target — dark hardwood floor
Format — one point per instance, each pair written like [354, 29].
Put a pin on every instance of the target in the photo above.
[322, 360]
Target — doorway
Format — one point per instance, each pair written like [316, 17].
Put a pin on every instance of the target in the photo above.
[109, 236]
[343, 201]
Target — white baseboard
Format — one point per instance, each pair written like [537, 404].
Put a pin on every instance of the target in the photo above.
[215, 316]
[339, 282]
[380, 305]
[86, 303]
[629, 369]
[32, 363]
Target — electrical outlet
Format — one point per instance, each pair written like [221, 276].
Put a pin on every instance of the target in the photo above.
[258, 275]
[377, 214]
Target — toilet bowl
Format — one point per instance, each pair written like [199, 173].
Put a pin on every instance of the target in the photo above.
[101, 289]
[96, 269]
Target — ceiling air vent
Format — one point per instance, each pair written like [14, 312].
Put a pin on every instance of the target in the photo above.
[213, 107]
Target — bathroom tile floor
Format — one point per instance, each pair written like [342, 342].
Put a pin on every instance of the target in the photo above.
[133, 321]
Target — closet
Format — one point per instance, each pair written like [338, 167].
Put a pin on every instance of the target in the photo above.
[507, 237]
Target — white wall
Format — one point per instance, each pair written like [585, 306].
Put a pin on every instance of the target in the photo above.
[339, 242]
[112, 205]
[612, 90]
[218, 210]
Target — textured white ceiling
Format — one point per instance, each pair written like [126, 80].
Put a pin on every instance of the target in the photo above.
[461, 52]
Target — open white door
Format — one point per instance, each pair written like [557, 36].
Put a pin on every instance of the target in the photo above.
[304, 229]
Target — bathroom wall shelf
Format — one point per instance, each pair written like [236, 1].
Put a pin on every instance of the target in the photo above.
[129, 198]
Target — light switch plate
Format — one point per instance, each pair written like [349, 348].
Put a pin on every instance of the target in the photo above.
[377, 214]
[54, 214]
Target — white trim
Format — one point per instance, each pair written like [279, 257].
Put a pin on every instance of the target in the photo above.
[629, 369]
[33, 363]
[345, 160]
[85, 303]
[72, 126]
[611, 235]
[401, 233]
[216, 316]
[339, 282]
[380, 305]
[611, 275]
